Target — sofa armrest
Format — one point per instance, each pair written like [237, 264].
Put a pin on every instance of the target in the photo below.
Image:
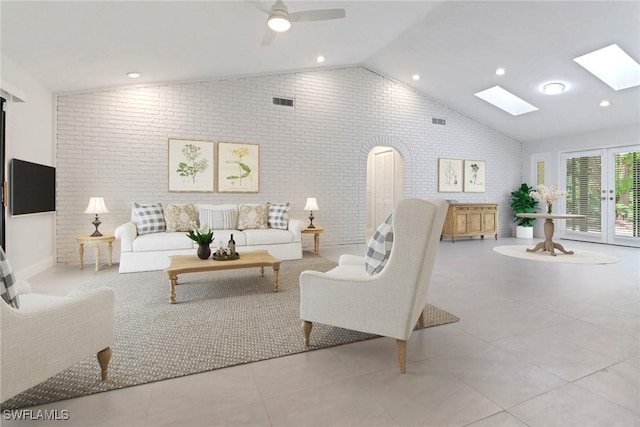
[23, 287]
[296, 226]
[127, 233]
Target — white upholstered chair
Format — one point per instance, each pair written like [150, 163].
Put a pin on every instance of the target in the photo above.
[391, 302]
[48, 334]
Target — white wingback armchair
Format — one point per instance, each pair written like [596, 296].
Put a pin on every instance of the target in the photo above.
[48, 334]
[391, 302]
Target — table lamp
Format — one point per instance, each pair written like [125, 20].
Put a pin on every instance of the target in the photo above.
[96, 206]
[311, 206]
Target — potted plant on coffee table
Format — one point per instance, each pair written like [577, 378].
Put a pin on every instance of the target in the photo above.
[523, 202]
[203, 237]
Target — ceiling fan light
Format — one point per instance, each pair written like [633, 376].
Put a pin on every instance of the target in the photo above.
[279, 21]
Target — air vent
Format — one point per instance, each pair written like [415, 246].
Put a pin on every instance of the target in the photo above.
[435, 121]
[284, 102]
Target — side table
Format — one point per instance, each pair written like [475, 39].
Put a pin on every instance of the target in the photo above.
[84, 239]
[316, 236]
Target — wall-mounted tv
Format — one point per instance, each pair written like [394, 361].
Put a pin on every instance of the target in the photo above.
[32, 187]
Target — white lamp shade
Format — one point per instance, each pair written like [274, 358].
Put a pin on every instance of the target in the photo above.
[311, 205]
[96, 206]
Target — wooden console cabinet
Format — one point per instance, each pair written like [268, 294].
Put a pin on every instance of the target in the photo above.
[471, 219]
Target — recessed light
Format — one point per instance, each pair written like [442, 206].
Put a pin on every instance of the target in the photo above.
[604, 103]
[500, 71]
[320, 59]
[553, 88]
[133, 75]
[416, 77]
[613, 66]
[506, 101]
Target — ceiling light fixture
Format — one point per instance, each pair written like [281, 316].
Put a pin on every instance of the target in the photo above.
[320, 59]
[553, 88]
[133, 75]
[605, 103]
[416, 77]
[500, 71]
[279, 19]
[506, 101]
[613, 66]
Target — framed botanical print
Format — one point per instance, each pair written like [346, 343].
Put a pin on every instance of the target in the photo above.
[474, 176]
[449, 175]
[191, 165]
[238, 167]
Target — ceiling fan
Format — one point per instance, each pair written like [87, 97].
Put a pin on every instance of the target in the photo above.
[280, 19]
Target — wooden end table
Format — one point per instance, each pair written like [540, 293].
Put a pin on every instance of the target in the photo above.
[316, 236]
[84, 239]
[548, 244]
[180, 264]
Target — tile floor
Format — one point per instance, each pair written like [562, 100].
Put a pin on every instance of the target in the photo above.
[538, 344]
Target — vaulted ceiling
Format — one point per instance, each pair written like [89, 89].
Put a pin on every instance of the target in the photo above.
[454, 46]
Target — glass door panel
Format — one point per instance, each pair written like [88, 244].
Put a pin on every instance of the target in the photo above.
[625, 192]
[584, 192]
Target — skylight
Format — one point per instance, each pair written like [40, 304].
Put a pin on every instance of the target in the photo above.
[613, 66]
[506, 101]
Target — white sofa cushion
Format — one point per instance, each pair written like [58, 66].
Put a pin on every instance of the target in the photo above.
[162, 242]
[267, 236]
[221, 237]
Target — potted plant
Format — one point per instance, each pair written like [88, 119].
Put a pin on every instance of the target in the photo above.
[523, 202]
[203, 237]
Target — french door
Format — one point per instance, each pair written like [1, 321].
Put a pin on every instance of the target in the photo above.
[604, 185]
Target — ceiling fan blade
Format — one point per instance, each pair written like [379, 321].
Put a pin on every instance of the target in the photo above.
[317, 15]
[268, 37]
[259, 5]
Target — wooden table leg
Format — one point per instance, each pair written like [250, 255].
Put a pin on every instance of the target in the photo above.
[549, 245]
[276, 271]
[110, 254]
[316, 241]
[97, 257]
[173, 280]
[261, 271]
[81, 255]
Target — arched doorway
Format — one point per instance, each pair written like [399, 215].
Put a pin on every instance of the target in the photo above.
[385, 171]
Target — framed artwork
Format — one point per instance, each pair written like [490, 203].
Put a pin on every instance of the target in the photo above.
[191, 166]
[449, 175]
[474, 176]
[238, 167]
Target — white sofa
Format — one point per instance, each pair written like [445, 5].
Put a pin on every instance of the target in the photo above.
[149, 252]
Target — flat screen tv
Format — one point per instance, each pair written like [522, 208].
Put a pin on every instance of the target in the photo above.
[32, 187]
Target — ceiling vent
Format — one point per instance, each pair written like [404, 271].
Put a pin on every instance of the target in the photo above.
[283, 102]
[435, 121]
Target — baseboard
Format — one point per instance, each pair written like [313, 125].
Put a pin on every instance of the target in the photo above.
[32, 270]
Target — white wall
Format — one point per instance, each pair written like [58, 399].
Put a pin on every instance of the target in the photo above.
[114, 144]
[30, 239]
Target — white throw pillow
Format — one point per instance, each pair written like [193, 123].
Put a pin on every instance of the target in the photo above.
[219, 219]
[379, 247]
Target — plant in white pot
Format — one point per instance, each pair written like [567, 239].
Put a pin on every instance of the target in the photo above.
[523, 202]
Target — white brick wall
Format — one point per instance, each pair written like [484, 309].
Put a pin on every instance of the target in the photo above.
[114, 144]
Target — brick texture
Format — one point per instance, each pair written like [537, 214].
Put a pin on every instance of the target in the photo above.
[113, 143]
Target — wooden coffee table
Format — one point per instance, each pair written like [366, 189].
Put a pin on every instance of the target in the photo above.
[180, 264]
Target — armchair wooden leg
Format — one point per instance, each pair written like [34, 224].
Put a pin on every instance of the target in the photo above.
[104, 356]
[306, 331]
[401, 346]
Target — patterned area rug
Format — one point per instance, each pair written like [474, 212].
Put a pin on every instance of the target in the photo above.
[221, 319]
